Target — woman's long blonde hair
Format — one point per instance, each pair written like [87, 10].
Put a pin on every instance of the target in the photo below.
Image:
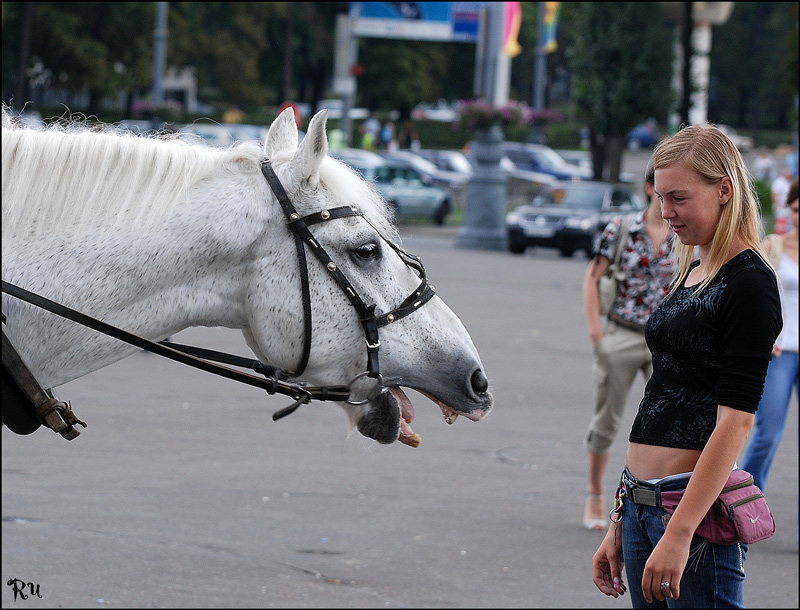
[710, 153]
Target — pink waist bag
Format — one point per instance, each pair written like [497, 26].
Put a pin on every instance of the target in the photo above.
[739, 514]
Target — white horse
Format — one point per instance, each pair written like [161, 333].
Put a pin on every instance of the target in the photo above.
[154, 235]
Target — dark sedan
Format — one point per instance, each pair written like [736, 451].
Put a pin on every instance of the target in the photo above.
[569, 216]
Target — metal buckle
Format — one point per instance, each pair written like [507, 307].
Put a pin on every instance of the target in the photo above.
[647, 497]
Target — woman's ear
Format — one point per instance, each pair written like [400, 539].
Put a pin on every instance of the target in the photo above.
[725, 190]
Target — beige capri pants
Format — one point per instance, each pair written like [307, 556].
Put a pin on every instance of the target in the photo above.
[619, 355]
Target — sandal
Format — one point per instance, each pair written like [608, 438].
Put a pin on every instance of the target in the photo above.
[592, 523]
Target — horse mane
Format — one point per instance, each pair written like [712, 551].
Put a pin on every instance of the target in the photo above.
[69, 176]
[78, 177]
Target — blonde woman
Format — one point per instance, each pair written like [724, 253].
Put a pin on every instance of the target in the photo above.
[711, 339]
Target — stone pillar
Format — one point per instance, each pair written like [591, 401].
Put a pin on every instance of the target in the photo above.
[484, 216]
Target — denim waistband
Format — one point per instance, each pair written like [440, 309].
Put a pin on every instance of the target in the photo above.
[649, 494]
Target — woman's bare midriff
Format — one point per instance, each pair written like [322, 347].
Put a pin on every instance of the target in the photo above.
[647, 462]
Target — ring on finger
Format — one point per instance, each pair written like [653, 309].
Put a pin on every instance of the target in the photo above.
[665, 585]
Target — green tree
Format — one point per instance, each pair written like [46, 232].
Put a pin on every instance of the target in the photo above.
[99, 47]
[754, 84]
[620, 57]
[255, 53]
[398, 74]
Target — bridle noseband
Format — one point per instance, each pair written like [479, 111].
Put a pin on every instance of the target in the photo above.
[299, 226]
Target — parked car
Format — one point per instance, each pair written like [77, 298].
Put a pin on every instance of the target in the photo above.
[743, 143]
[335, 108]
[569, 216]
[430, 173]
[137, 126]
[644, 135]
[402, 186]
[581, 158]
[449, 160]
[543, 159]
[440, 111]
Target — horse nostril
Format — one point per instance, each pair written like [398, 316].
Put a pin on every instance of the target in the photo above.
[479, 382]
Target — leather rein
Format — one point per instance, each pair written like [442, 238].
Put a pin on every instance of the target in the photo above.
[274, 380]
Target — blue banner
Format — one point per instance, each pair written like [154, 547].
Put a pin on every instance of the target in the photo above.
[449, 21]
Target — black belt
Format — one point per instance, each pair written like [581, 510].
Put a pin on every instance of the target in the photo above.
[649, 495]
[639, 328]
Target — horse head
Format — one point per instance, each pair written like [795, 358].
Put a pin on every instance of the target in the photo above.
[427, 348]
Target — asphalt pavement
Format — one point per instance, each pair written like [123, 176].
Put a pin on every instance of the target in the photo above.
[182, 492]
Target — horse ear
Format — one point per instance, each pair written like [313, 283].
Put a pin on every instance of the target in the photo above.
[314, 147]
[282, 134]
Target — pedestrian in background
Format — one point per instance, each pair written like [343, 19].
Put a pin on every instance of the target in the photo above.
[779, 190]
[711, 339]
[782, 372]
[620, 351]
[409, 139]
[388, 141]
[370, 133]
[764, 166]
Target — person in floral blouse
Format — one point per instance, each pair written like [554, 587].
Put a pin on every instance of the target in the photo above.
[620, 351]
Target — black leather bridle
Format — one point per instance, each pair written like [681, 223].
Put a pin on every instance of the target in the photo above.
[299, 225]
[276, 380]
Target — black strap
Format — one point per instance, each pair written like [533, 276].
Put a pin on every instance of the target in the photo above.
[299, 227]
[301, 394]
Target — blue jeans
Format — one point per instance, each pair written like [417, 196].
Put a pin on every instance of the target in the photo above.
[771, 416]
[714, 574]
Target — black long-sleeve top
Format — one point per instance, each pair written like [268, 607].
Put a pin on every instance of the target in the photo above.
[708, 349]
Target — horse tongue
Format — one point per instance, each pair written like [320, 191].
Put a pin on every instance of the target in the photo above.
[407, 435]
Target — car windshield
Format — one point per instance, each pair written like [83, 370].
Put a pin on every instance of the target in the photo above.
[565, 197]
[545, 158]
[391, 174]
[421, 164]
[460, 163]
[549, 158]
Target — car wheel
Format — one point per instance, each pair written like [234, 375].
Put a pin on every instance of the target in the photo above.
[566, 252]
[516, 247]
[442, 212]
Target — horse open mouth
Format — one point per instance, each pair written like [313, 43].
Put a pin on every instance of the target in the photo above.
[391, 416]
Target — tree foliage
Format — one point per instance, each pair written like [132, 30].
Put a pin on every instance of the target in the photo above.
[613, 58]
[620, 58]
[754, 84]
[401, 73]
[78, 45]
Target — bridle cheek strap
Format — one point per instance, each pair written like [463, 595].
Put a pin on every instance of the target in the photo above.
[299, 225]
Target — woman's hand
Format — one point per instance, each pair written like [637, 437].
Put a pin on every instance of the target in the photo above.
[665, 565]
[607, 564]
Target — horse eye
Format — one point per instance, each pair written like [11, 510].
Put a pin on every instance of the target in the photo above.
[368, 251]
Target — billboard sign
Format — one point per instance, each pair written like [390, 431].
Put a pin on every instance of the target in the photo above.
[448, 21]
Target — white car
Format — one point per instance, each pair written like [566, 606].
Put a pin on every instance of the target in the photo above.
[743, 143]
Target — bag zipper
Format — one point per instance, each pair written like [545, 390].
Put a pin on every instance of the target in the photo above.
[745, 483]
[734, 505]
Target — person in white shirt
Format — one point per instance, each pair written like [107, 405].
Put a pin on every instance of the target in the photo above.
[782, 372]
